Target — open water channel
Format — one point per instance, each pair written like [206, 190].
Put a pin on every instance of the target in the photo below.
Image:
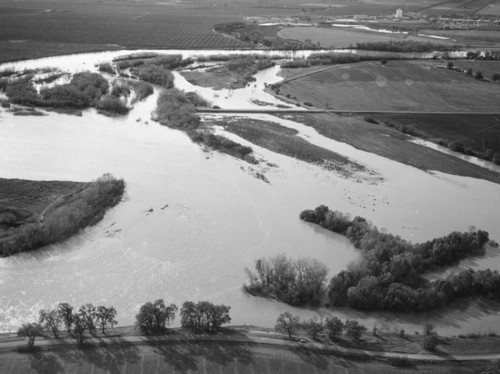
[192, 220]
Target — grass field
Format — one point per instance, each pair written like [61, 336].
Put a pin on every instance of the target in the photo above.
[34, 195]
[488, 68]
[283, 140]
[480, 132]
[398, 86]
[390, 143]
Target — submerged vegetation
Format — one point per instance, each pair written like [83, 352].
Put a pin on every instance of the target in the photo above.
[65, 216]
[295, 282]
[389, 273]
[176, 110]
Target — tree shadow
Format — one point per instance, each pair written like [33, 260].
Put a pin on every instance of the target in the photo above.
[182, 354]
[45, 363]
[109, 355]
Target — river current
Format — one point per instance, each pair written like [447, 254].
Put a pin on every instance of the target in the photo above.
[192, 219]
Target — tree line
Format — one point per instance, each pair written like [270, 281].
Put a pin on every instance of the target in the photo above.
[153, 318]
[87, 318]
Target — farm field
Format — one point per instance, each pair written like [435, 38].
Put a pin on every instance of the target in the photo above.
[480, 132]
[390, 143]
[343, 38]
[398, 86]
[104, 26]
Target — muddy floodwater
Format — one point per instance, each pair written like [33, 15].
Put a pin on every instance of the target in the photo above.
[192, 219]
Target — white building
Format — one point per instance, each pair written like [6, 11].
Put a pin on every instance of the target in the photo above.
[399, 13]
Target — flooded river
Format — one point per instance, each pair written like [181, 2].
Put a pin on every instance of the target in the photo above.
[193, 220]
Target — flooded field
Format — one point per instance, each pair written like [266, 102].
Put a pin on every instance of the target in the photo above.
[192, 220]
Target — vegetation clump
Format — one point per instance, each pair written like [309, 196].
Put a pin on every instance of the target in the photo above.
[84, 90]
[112, 104]
[106, 67]
[154, 74]
[388, 275]
[404, 46]
[176, 110]
[295, 282]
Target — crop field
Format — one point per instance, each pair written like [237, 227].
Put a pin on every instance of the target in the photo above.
[342, 37]
[457, 6]
[107, 25]
[480, 132]
[389, 142]
[397, 86]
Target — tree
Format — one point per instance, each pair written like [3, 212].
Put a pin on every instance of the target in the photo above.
[65, 312]
[429, 342]
[50, 320]
[428, 329]
[495, 77]
[287, 322]
[450, 65]
[79, 326]
[469, 72]
[105, 316]
[204, 316]
[154, 317]
[31, 331]
[218, 315]
[87, 314]
[479, 75]
[314, 328]
[383, 62]
[354, 330]
[334, 327]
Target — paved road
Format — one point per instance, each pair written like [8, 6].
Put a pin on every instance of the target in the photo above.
[360, 111]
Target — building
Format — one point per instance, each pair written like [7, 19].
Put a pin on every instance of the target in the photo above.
[399, 13]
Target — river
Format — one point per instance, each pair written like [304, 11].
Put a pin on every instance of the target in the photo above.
[193, 220]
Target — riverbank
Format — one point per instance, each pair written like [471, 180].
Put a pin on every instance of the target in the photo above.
[248, 347]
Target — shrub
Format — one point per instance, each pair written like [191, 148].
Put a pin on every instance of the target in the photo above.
[106, 67]
[66, 95]
[93, 85]
[479, 75]
[430, 342]
[155, 74]
[113, 105]
[495, 77]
